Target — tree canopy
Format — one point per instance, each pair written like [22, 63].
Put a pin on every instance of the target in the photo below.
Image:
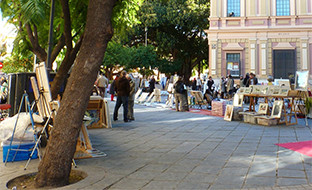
[176, 29]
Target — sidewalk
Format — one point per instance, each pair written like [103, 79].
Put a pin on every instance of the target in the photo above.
[164, 149]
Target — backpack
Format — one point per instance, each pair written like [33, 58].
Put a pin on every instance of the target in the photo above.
[179, 87]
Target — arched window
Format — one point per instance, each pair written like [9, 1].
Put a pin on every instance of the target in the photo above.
[233, 8]
[282, 8]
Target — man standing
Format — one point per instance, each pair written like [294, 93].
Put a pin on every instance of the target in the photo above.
[152, 85]
[123, 91]
[180, 95]
[210, 83]
[102, 83]
[131, 97]
[230, 86]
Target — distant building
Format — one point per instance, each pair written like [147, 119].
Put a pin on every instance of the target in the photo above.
[265, 37]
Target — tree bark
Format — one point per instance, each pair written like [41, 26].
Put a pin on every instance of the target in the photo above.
[55, 167]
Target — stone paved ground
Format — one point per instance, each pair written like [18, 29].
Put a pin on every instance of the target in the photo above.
[164, 149]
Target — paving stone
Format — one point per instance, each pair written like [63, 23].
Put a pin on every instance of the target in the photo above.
[186, 185]
[200, 177]
[257, 181]
[161, 185]
[171, 176]
[290, 173]
[291, 181]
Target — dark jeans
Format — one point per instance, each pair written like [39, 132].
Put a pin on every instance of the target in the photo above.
[124, 101]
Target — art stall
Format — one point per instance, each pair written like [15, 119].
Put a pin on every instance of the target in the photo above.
[272, 105]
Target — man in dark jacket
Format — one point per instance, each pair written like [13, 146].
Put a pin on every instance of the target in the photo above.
[180, 95]
[122, 87]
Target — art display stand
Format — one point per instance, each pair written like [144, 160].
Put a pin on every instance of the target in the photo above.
[100, 106]
[199, 99]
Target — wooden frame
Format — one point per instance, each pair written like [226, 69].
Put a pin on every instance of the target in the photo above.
[228, 113]
[241, 90]
[277, 108]
[301, 80]
[247, 90]
[256, 89]
[238, 100]
[284, 90]
[263, 108]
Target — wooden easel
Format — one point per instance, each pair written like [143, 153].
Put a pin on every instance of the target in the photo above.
[45, 106]
[100, 105]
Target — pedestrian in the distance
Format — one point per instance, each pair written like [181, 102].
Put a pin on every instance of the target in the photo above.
[123, 89]
[102, 83]
[112, 87]
[131, 97]
[152, 85]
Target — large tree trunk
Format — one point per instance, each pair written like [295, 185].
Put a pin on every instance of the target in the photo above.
[54, 169]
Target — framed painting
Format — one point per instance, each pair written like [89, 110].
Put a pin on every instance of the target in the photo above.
[277, 109]
[228, 113]
[247, 90]
[256, 89]
[263, 108]
[241, 90]
[238, 100]
[301, 80]
[264, 90]
[276, 91]
[284, 91]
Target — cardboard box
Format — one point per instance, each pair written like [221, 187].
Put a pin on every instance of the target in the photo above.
[22, 151]
[218, 108]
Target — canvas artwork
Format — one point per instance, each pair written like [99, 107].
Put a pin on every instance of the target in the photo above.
[241, 90]
[256, 89]
[247, 90]
[263, 108]
[277, 108]
[284, 91]
[264, 90]
[276, 91]
[228, 113]
[238, 100]
[282, 82]
[301, 80]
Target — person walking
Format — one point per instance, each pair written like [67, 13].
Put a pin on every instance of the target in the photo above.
[131, 97]
[102, 83]
[152, 85]
[123, 90]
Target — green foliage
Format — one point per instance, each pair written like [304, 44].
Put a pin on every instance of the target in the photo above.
[37, 13]
[141, 58]
[15, 64]
[176, 30]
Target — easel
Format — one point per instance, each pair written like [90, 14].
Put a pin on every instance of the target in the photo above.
[28, 109]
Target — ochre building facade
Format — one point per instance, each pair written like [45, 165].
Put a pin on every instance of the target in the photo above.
[265, 37]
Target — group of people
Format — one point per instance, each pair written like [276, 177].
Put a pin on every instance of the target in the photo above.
[124, 87]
